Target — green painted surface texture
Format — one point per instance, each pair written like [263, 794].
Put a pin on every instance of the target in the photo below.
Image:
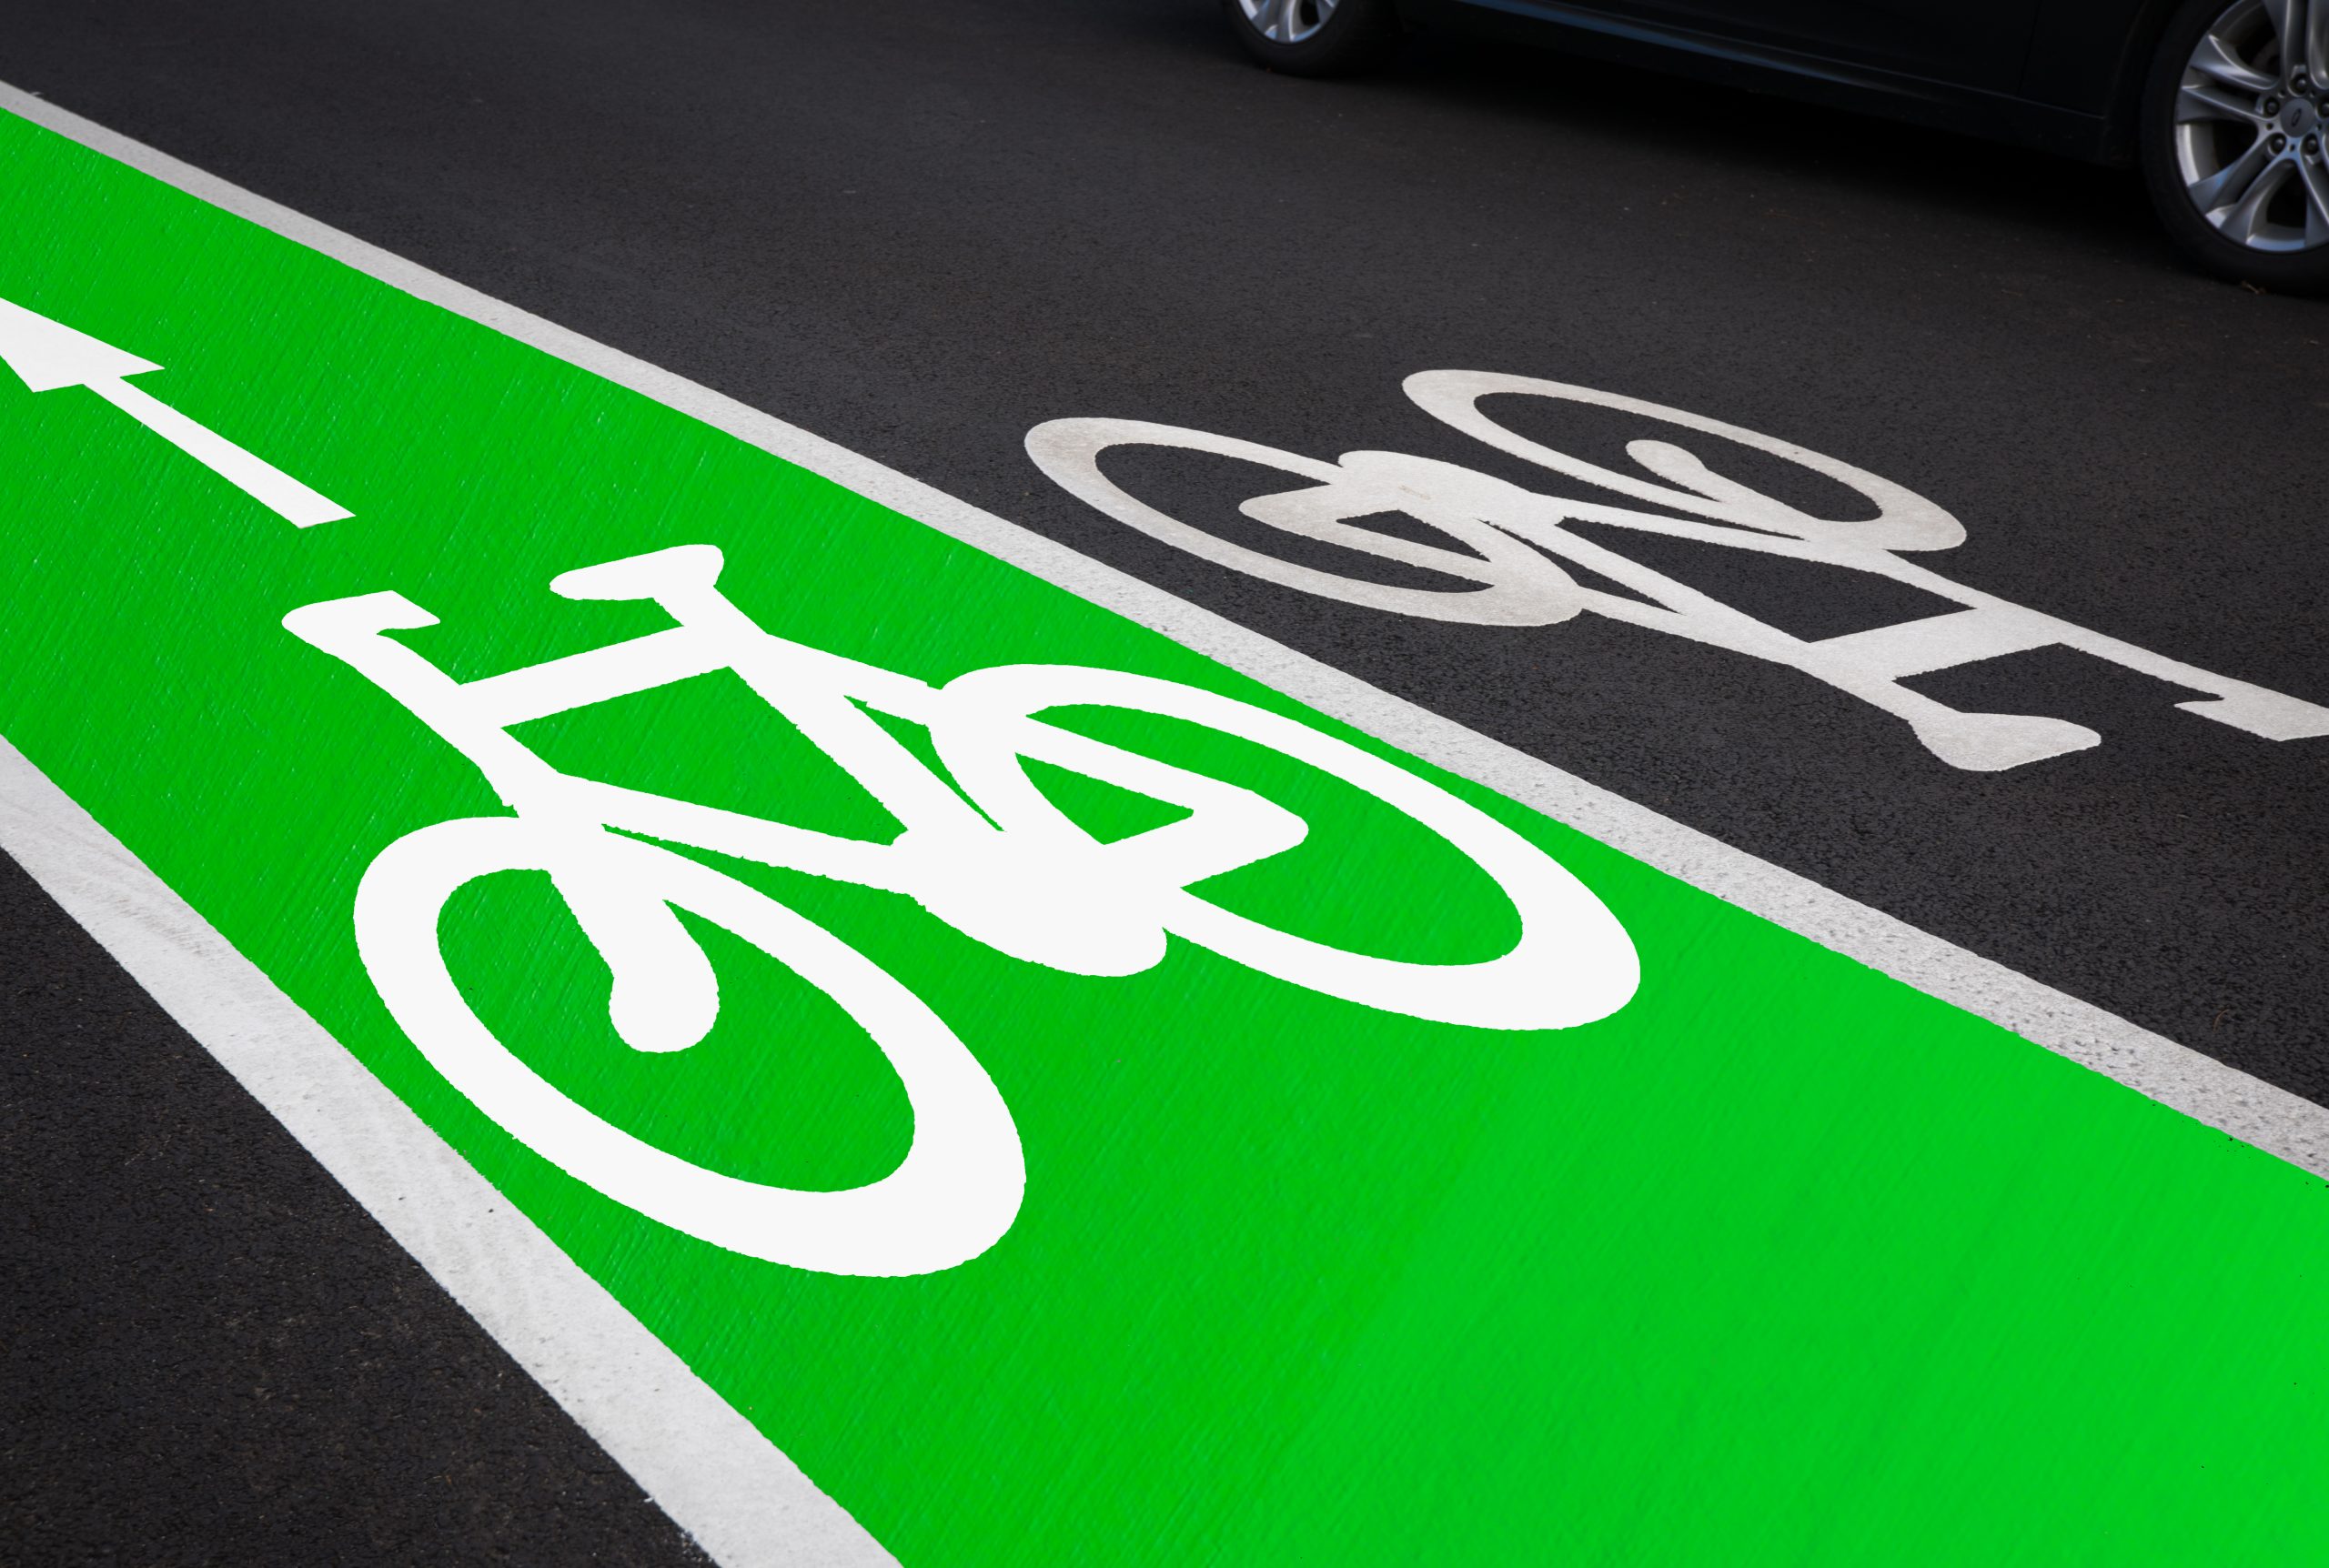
[1784, 1263]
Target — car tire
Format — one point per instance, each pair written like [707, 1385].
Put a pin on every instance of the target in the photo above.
[1316, 37]
[2262, 120]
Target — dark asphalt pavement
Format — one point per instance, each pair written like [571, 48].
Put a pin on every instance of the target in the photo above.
[210, 1354]
[920, 229]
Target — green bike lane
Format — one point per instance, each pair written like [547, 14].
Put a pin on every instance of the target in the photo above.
[1783, 1261]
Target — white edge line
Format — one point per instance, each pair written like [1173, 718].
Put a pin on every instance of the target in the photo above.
[745, 1504]
[743, 1500]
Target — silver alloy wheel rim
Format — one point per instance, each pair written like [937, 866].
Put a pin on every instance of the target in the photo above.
[2249, 133]
[1293, 20]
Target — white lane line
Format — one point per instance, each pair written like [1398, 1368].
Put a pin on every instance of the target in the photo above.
[746, 1505]
[614, 1377]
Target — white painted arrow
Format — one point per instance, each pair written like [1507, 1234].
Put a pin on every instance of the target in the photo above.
[46, 355]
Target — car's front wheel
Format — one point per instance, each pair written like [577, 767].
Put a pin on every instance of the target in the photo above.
[1317, 37]
[2235, 149]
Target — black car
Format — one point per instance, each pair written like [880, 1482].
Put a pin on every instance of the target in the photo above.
[2222, 101]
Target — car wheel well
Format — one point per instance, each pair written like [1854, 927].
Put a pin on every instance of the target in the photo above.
[2122, 122]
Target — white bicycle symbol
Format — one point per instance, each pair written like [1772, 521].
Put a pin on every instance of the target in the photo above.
[1005, 866]
[1506, 537]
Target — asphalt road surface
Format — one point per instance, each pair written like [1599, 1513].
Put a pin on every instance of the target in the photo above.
[921, 230]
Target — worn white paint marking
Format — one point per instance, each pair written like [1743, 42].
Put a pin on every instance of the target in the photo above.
[615, 1378]
[49, 356]
[1514, 585]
